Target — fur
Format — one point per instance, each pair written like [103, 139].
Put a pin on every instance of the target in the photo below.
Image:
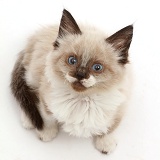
[84, 101]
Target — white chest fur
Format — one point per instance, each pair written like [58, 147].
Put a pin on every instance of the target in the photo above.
[85, 115]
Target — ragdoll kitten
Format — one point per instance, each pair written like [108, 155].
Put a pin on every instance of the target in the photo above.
[76, 77]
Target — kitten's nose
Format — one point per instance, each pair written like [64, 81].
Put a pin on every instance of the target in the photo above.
[81, 73]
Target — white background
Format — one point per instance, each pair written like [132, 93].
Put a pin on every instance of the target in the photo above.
[139, 133]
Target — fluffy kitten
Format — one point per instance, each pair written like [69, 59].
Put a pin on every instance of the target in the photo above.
[76, 77]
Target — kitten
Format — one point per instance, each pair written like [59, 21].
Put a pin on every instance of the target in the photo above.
[76, 77]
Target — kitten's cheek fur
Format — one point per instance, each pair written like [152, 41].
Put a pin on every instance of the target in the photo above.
[91, 81]
[70, 78]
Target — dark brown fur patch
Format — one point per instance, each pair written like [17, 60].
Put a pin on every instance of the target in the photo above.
[26, 96]
[121, 41]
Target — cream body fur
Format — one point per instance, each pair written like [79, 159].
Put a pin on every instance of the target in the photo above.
[81, 114]
[76, 77]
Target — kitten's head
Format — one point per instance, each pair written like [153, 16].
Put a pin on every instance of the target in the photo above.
[86, 59]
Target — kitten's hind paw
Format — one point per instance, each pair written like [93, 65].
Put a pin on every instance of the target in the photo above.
[105, 144]
[26, 122]
[27, 125]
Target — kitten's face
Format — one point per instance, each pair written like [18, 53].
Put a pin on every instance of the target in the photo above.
[86, 59]
[87, 63]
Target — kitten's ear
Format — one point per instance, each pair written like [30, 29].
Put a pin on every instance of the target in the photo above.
[68, 25]
[121, 41]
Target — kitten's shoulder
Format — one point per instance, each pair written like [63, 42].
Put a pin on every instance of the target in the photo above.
[38, 47]
[44, 35]
[40, 43]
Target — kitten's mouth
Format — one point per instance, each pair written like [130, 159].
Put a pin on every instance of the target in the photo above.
[78, 86]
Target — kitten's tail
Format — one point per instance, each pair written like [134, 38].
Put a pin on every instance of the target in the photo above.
[26, 96]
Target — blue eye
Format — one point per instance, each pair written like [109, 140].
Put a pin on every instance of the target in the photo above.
[97, 67]
[72, 60]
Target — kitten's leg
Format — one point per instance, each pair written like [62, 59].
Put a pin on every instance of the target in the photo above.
[25, 95]
[49, 131]
[105, 143]
[29, 102]
[50, 128]
[26, 122]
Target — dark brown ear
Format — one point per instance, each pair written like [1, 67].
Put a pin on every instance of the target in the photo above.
[121, 41]
[68, 25]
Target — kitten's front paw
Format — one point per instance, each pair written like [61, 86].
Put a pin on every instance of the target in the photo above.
[105, 144]
[47, 134]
